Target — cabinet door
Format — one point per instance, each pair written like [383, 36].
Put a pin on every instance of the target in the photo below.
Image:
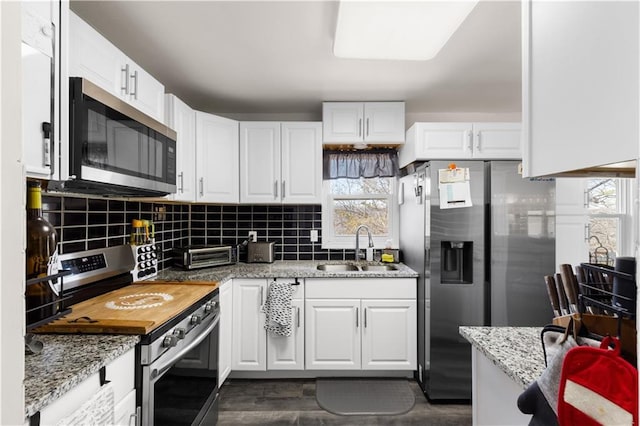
[249, 336]
[389, 330]
[226, 331]
[260, 162]
[301, 163]
[572, 233]
[287, 353]
[217, 156]
[332, 335]
[384, 122]
[444, 141]
[145, 92]
[92, 56]
[497, 140]
[181, 118]
[581, 112]
[342, 122]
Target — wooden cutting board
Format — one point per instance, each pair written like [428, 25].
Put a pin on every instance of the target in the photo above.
[135, 309]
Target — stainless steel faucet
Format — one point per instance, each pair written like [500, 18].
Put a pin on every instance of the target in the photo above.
[358, 255]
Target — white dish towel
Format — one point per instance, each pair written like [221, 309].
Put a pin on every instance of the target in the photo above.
[277, 309]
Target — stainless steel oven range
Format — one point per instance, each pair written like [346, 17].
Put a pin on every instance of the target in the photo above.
[176, 359]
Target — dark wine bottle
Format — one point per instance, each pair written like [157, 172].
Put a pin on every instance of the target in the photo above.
[41, 259]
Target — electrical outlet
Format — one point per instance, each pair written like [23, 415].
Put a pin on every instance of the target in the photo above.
[314, 236]
[253, 236]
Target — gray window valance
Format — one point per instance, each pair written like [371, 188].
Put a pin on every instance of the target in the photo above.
[354, 165]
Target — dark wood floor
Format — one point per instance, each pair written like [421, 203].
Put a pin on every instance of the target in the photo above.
[293, 402]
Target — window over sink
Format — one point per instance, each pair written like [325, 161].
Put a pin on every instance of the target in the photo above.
[360, 189]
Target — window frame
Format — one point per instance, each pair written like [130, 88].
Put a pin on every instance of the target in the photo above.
[332, 241]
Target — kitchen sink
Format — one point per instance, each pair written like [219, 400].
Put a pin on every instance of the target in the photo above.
[337, 267]
[379, 268]
[346, 267]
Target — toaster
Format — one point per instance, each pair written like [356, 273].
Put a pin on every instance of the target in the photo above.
[262, 252]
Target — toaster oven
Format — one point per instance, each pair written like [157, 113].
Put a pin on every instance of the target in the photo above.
[194, 257]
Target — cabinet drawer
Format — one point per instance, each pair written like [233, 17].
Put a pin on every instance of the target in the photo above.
[125, 409]
[120, 374]
[360, 288]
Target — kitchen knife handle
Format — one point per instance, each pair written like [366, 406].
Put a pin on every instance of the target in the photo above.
[570, 283]
[562, 297]
[553, 294]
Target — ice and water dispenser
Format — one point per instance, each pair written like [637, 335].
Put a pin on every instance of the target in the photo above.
[456, 266]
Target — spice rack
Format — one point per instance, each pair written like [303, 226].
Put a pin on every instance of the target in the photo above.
[58, 304]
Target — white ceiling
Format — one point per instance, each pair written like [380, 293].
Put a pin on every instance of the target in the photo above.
[249, 57]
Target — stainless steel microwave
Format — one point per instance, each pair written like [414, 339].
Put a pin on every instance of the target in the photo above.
[114, 149]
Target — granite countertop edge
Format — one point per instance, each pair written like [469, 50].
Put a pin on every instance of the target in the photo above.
[517, 351]
[281, 269]
[66, 361]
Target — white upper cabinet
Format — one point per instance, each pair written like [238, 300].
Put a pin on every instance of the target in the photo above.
[40, 35]
[181, 118]
[217, 154]
[580, 84]
[280, 162]
[452, 141]
[95, 58]
[363, 122]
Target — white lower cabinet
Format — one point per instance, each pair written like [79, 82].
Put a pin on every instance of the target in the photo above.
[253, 350]
[375, 328]
[287, 352]
[250, 338]
[226, 331]
[119, 374]
[333, 334]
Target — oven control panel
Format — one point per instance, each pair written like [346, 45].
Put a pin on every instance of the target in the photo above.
[146, 258]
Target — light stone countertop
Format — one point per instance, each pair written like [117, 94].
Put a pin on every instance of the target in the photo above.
[65, 361]
[515, 350]
[68, 359]
[280, 269]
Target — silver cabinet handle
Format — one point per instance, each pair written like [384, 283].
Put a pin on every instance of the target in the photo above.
[134, 93]
[202, 186]
[181, 189]
[46, 144]
[469, 139]
[357, 315]
[125, 81]
[586, 199]
[365, 317]
[478, 141]
[275, 189]
[135, 417]
[283, 189]
[367, 127]
[360, 127]
[298, 313]
[586, 232]
[261, 296]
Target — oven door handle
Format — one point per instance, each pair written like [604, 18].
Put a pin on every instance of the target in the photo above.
[165, 366]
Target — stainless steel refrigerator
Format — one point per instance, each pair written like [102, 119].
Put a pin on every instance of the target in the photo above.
[478, 265]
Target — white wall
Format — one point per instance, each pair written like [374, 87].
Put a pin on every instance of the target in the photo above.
[12, 190]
